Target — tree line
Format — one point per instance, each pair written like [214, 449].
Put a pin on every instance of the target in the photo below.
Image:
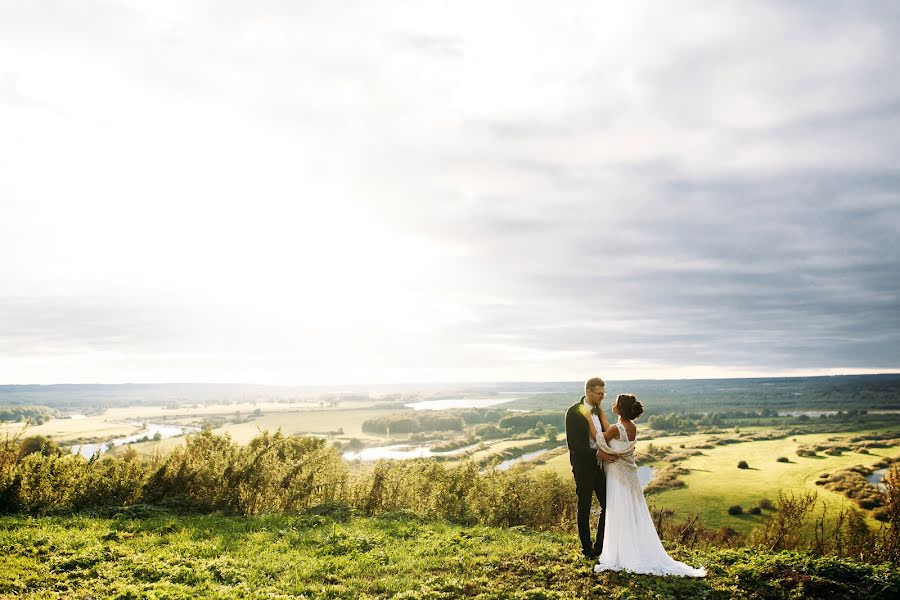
[507, 421]
[37, 414]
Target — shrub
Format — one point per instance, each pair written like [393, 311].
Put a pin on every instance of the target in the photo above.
[551, 432]
[487, 431]
[38, 443]
[743, 465]
[534, 498]
[273, 472]
[755, 510]
[735, 510]
[48, 482]
[766, 504]
[666, 478]
[784, 530]
[868, 503]
[782, 459]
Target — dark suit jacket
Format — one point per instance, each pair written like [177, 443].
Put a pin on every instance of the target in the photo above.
[578, 435]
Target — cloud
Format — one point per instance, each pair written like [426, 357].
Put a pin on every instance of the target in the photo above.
[292, 191]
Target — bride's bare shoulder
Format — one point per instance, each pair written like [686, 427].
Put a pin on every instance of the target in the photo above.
[631, 430]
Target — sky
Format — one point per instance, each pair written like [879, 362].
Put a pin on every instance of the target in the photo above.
[295, 192]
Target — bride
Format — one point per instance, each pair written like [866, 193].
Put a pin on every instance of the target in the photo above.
[631, 542]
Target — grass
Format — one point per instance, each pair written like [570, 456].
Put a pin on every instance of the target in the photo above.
[314, 421]
[146, 552]
[715, 482]
[188, 410]
[67, 431]
[499, 446]
[290, 422]
[561, 464]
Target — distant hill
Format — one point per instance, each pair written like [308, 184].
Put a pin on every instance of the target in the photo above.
[871, 392]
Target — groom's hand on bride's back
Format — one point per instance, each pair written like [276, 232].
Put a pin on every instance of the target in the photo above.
[601, 455]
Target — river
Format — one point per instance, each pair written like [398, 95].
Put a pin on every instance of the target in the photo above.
[403, 452]
[878, 478]
[150, 430]
[506, 464]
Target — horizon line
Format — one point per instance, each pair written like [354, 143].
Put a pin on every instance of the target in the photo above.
[427, 383]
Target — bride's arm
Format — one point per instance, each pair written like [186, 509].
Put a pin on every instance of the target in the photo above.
[603, 422]
[612, 432]
[595, 435]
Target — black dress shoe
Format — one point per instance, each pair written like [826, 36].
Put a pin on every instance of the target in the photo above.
[589, 554]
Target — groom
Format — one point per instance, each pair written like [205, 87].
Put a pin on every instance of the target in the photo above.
[587, 466]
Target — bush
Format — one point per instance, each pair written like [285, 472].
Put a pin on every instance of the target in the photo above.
[735, 510]
[766, 504]
[743, 465]
[38, 443]
[782, 459]
[551, 432]
[784, 530]
[666, 478]
[534, 498]
[487, 431]
[755, 510]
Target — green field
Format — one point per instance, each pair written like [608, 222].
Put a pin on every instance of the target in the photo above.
[561, 464]
[69, 431]
[315, 421]
[715, 482]
[310, 421]
[144, 552]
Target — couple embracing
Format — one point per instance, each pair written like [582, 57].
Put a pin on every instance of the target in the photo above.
[602, 457]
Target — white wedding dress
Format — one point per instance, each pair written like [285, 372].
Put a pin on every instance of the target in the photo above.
[630, 542]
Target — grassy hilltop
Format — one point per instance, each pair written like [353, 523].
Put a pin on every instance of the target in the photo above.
[263, 504]
[144, 552]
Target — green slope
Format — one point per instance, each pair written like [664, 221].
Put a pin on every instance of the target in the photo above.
[152, 553]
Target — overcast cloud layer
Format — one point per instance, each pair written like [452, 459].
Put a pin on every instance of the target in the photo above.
[309, 192]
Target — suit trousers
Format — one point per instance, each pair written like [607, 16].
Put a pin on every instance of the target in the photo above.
[590, 481]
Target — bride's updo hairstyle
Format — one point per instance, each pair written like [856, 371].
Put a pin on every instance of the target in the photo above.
[629, 406]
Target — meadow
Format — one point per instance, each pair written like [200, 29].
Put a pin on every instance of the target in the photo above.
[145, 552]
[716, 483]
